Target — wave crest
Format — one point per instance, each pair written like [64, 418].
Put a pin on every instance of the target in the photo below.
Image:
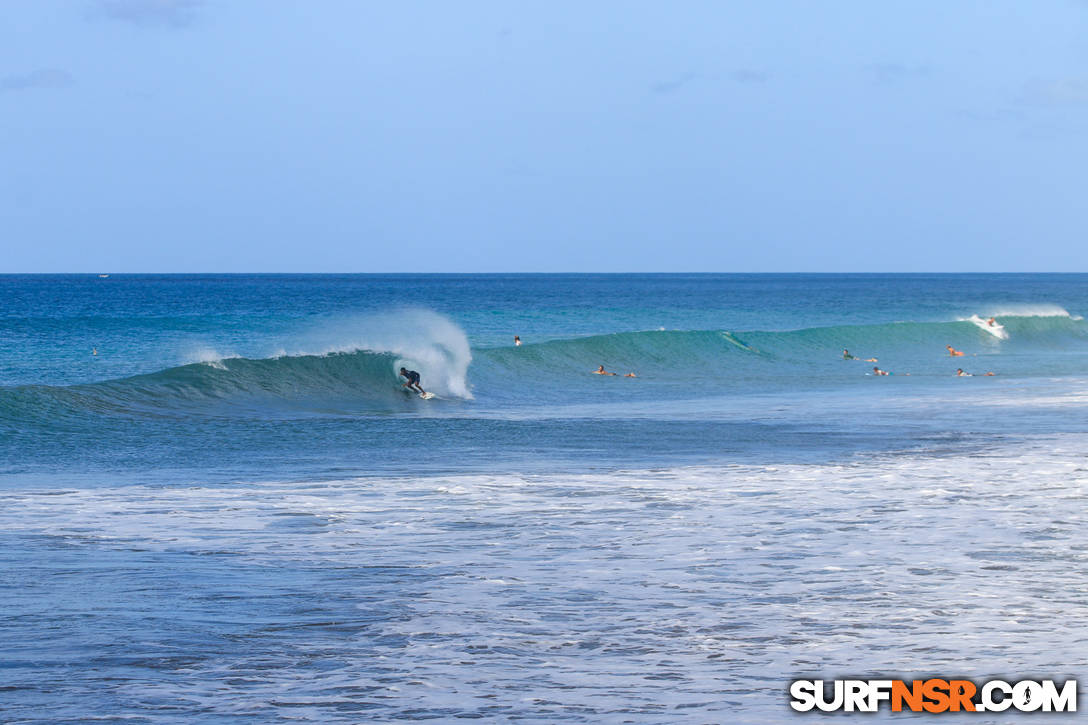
[345, 366]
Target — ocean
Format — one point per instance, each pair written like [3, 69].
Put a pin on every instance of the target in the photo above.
[219, 504]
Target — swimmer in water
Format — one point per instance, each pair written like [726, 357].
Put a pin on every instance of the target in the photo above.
[953, 351]
[601, 371]
[517, 341]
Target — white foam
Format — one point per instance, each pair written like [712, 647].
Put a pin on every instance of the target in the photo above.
[208, 356]
[1025, 310]
[713, 579]
[421, 340]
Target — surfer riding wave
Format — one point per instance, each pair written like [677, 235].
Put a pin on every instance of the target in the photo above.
[413, 380]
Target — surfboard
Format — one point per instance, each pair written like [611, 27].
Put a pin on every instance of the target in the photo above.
[996, 329]
[409, 391]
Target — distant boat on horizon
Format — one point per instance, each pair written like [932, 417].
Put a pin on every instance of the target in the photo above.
[103, 276]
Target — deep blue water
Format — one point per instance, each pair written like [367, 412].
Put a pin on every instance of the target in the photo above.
[217, 503]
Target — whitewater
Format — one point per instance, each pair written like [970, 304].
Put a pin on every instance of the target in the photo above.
[217, 504]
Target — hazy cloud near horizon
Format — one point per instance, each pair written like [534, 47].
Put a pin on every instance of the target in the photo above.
[897, 72]
[671, 86]
[275, 135]
[41, 78]
[1056, 91]
[171, 13]
[750, 75]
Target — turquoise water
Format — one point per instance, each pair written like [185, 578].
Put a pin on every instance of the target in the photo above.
[258, 377]
[219, 504]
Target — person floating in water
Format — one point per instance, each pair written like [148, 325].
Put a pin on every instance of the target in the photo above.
[878, 371]
[413, 380]
[960, 372]
[954, 352]
[517, 341]
[601, 371]
[847, 356]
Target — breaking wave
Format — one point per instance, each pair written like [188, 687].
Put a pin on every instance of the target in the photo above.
[351, 372]
[350, 367]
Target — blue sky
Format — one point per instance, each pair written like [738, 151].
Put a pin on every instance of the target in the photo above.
[246, 135]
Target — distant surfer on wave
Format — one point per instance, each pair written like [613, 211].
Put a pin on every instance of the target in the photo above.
[601, 371]
[517, 341]
[954, 352]
[413, 380]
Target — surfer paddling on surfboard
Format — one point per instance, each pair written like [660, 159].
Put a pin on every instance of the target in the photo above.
[954, 352]
[847, 356]
[601, 371]
[413, 380]
[961, 373]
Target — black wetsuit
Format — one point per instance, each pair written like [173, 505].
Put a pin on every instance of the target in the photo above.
[413, 377]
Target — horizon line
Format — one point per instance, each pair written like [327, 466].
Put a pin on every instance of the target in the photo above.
[511, 273]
